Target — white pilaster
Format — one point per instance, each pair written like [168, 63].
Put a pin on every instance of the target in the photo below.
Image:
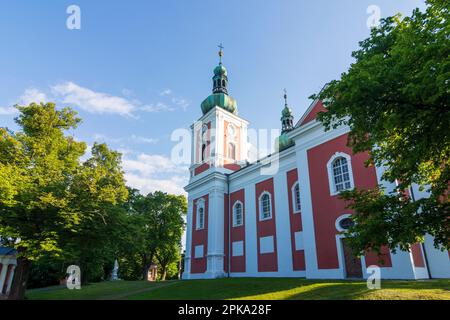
[307, 214]
[283, 229]
[216, 253]
[251, 246]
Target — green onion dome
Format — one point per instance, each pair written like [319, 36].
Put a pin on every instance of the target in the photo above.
[221, 100]
[283, 142]
[220, 71]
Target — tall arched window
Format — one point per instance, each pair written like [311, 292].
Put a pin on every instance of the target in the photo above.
[200, 214]
[265, 207]
[296, 198]
[203, 152]
[340, 174]
[231, 151]
[238, 219]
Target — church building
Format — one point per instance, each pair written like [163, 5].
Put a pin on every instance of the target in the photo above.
[247, 220]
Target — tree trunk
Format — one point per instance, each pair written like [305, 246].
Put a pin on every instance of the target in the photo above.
[146, 264]
[19, 284]
[164, 274]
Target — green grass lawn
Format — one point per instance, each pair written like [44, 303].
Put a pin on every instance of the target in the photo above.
[249, 289]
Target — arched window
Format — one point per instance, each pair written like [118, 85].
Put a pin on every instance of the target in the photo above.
[296, 198]
[200, 214]
[238, 219]
[265, 207]
[203, 152]
[231, 151]
[344, 222]
[340, 173]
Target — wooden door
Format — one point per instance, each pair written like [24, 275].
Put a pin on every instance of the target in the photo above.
[353, 267]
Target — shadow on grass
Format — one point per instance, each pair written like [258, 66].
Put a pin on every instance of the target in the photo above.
[294, 289]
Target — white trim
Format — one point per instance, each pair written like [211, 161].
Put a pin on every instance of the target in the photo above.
[234, 214]
[298, 237]
[260, 213]
[238, 249]
[294, 198]
[332, 185]
[266, 245]
[199, 252]
[200, 205]
[338, 221]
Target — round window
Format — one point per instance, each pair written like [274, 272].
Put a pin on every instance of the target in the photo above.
[346, 223]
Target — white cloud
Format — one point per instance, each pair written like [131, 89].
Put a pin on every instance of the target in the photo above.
[103, 138]
[139, 139]
[7, 111]
[149, 173]
[98, 137]
[95, 102]
[32, 95]
[91, 101]
[172, 185]
[158, 107]
[165, 92]
[182, 103]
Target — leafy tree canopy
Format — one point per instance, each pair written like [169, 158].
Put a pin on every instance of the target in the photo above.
[395, 98]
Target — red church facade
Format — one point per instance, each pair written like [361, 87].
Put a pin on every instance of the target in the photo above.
[280, 216]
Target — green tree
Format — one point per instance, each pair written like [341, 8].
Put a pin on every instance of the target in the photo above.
[395, 98]
[167, 255]
[46, 192]
[160, 220]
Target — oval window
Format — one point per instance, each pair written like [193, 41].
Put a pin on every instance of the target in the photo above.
[346, 223]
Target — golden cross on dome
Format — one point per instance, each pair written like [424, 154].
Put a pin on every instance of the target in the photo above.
[220, 52]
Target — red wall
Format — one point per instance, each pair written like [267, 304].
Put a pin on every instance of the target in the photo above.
[312, 115]
[266, 262]
[199, 237]
[237, 233]
[416, 250]
[326, 208]
[383, 260]
[298, 257]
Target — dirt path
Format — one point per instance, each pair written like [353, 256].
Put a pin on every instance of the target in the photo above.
[127, 294]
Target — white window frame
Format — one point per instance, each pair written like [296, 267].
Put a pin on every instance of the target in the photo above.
[333, 191]
[235, 224]
[200, 204]
[294, 198]
[261, 217]
[337, 223]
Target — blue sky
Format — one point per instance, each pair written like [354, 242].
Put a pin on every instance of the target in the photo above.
[137, 70]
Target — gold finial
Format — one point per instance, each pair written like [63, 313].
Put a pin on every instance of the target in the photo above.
[220, 52]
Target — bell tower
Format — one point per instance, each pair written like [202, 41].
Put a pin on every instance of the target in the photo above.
[220, 135]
